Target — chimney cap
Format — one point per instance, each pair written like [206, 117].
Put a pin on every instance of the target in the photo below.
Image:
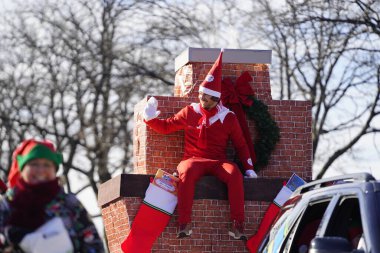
[248, 56]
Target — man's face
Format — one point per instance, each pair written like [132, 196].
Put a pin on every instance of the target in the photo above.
[206, 101]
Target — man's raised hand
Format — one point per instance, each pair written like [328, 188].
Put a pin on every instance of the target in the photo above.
[150, 110]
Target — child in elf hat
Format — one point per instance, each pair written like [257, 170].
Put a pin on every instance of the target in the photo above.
[34, 198]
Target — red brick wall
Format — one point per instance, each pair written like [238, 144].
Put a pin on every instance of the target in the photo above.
[209, 227]
[154, 151]
[117, 217]
[293, 153]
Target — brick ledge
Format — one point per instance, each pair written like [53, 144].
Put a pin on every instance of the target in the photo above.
[209, 187]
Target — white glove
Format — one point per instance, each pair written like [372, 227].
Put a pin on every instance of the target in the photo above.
[250, 174]
[150, 110]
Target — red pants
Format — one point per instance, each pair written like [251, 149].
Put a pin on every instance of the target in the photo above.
[192, 169]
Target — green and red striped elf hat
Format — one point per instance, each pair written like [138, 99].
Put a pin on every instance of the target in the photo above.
[28, 150]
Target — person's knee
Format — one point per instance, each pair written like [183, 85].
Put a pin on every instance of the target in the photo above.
[186, 166]
[188, 176]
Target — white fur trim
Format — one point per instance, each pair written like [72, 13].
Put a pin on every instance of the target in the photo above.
[196, 107]
[221, 114]
[209, 91]
[160, 198]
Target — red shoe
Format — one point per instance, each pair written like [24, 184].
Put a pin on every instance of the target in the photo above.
[184, 230]
[237, 230]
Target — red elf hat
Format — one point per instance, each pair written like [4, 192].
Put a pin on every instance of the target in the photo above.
[212, 85]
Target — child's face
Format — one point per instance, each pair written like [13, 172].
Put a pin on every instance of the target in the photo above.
[39, 170]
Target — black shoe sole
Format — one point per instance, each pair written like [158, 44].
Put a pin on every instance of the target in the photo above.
[243, 237]
[183, 235]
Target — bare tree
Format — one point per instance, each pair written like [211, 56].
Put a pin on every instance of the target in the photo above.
[362, 17]
[73, 76]
[334, 65]
[71, 71]
[76, 69]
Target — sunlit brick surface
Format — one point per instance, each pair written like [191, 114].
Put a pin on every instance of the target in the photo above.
[154, 151]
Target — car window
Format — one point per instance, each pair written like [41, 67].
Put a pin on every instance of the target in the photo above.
[346, 221]
[306, 227]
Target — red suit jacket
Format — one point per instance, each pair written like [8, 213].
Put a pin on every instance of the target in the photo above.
[223, 127]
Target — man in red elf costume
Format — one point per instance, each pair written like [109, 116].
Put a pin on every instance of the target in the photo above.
[208, 127]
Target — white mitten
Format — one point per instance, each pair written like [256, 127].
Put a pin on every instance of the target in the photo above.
[150, 110]
[250, 174]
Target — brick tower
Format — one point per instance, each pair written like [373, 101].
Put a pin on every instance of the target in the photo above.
[120, 197]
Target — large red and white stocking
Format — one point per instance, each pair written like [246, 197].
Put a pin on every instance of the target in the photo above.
[274, 208]
[146, 228]
[154, 214]
[254, 242]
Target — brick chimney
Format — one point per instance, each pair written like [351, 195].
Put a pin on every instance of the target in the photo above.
[120, 197]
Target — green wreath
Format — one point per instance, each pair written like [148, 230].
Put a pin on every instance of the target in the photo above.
[267, 130]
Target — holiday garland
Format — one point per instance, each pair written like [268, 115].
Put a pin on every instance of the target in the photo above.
[268, 133]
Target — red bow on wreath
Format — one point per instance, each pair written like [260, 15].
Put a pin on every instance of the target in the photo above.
[234, 97]
[239, 93]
